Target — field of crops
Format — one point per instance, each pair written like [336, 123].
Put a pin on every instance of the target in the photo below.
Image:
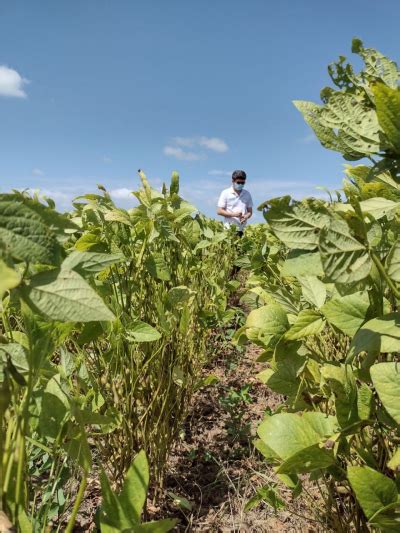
[108, 318]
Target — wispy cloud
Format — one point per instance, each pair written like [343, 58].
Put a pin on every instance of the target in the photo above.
[178, 147]
[179, 153]
[107, 159]
[37, 172]
[214, 143]
[11, 83]
[216, 172]
[121, 194]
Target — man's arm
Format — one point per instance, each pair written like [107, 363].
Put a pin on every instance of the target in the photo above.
[247, 215]
[223, 212]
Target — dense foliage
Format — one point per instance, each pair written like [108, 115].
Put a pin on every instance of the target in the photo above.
[326, 312]
[105, 315]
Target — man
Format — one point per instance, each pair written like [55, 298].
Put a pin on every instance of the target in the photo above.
[235, 203]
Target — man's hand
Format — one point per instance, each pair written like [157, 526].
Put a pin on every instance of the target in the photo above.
[244, 217]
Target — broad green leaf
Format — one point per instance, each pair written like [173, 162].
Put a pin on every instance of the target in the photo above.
[344, 259]
[386, 380]
[378, 335]
[111, 514]
[379, 207]
[157, 267]
[18, 356]
[118, 215]
[301, 263]
[312, 115]
[266, 325]
[314, 291]
[160, 526]
[55, 408]
[134, 491]
[307, 460]
[394, 462]
[387, 102]
[91, 262]
[308, 322]
[9, 278]
[343, 385]
[393, 262]
[179, 296]
[298, 226]
[354, 123]
[141, 332]
[347, 313]
[373, 490]
[89, 241]
[288, 433]
[26, 235]
[65, 296]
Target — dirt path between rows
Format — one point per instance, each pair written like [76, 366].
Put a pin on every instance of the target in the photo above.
[215, 466]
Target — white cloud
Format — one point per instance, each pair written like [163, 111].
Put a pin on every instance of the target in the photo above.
[213, 143]
[107, 159]
[11, 83]
[179, 153]
[175, 149]
[187, 142]
[121, 194]
[37, 172]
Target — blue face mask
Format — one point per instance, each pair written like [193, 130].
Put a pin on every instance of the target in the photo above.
[238, 186]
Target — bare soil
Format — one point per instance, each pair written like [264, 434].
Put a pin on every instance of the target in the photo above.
[216, 468]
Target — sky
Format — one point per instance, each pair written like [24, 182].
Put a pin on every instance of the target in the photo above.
[93, 90]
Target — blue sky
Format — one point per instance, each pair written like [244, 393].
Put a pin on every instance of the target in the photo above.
[92, 90]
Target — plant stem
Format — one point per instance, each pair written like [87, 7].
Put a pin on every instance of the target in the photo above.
[77, 504]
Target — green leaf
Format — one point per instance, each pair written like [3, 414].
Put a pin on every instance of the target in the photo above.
[343, 385]
[386, 380]
[18, 356]
[379, 207]
[134, 492]
[179, 296]
[265, 325]
[301, 263]
[287, 433]
[393, 262]
[373, 490]
[378, 335]
[308, 322]
[307, 460]
[89, 262]
[347, 313]
[157, 267]
[111, 514]
[141, 332]
[25, 234]
[394, 462]
[344, 259]
[180, 501]
[9, 278]
[160, 526]
[65, 296]
[298, 226]
[314, 291]
[55, 408]
[387, 102]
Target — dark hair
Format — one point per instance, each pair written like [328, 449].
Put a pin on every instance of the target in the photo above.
[238, 174]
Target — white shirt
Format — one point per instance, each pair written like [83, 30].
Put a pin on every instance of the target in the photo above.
[235, 202]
